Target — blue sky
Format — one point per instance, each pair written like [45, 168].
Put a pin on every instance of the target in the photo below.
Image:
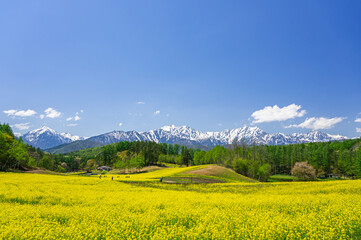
[284, 66]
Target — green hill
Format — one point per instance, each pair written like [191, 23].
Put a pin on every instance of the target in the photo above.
[208, 174]
[74, 146]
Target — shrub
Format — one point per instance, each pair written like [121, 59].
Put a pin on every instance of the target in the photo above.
[240, 166]
[264, 172]
[304, 171]
[60, 169]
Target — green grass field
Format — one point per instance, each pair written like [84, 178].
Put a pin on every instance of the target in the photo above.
[282, 178]
[45, 206]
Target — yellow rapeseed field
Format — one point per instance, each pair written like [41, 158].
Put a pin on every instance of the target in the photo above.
[151, 176]
[34, 206]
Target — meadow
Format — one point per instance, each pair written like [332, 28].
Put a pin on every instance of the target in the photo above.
[40, 206]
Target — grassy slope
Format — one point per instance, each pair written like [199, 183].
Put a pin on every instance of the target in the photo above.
[210, 174]
[176, 174]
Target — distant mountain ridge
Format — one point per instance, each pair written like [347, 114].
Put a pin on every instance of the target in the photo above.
[187, 135]
[182, 135]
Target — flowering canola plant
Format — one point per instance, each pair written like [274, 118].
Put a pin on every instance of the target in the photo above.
[154, 175]
[34, 206]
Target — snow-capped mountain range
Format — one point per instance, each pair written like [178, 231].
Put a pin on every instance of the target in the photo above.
[45, 137]
[183, 135]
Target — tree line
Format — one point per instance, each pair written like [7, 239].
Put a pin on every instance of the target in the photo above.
[254, 161]
[127, 155]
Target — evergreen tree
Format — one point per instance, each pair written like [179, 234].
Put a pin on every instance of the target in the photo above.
[186, 157]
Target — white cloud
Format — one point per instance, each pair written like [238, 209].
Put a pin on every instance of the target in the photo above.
[275, 113]
[358, 130]
[21, 113]
[76, 117]
[157, 112]
[10, 112]
[318, 123]
[52, 113]
[120, 124]
[358, 120]
[140, 103]
[21, 126]
[42, 116]
[72, 125]
[81, 110]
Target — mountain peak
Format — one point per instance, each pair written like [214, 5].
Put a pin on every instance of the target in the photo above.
[46, 137]
[168, 127]
[172, 127]
[254, 129]
[42, 130]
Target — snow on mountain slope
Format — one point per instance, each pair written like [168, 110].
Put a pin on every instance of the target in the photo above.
[188, 136]
[45, 137]
[182, 135]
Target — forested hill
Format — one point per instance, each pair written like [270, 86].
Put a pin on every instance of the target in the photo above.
[13, 152]
[74, 146]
